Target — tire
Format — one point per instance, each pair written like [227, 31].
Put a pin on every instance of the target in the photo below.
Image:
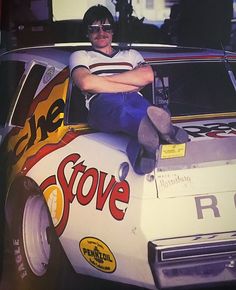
[36, 249]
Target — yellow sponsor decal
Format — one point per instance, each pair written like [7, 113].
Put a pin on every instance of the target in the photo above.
[55, 201]
[173, 151]
[97, 254]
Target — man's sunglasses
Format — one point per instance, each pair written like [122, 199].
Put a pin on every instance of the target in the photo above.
[95, 28]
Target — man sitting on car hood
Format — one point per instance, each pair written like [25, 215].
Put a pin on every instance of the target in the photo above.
[111, 80]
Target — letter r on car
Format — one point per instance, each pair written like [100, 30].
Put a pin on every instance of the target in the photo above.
[210, 203]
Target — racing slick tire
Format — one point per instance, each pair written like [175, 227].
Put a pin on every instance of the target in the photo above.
[36, 250]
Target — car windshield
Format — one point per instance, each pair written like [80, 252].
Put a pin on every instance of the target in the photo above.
[194, 88]
[183, 88]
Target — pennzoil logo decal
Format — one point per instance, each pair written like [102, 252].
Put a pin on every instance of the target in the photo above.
[75, 181]
[98, 254]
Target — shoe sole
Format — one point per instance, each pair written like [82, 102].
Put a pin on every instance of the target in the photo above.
[162, 122]
[147, 135]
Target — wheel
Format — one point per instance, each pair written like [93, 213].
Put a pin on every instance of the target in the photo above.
[36, 250]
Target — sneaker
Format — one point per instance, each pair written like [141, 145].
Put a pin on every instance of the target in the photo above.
[162, 122]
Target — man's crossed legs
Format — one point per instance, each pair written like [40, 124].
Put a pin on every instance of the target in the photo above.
[132, 114]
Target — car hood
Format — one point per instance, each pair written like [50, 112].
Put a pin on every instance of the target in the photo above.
[202, 167]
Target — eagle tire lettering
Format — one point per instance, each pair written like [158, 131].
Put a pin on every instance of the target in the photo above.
[22, 271]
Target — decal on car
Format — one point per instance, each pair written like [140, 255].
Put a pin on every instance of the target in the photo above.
[49, 74]
[210, 204]
[86, 184]
[55, 200]
[97, 254]
[44, 119]
[173, 150]
[213, 130]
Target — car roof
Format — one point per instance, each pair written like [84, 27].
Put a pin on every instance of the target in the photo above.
[151, 52]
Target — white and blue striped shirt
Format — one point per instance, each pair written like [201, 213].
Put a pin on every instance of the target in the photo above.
[101, 64]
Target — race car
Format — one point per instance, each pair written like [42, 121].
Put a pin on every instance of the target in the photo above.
[71, 195]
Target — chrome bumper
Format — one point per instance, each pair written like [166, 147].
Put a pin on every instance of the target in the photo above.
[192, 261]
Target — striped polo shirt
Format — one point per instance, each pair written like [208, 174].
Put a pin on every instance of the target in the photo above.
[101, 64]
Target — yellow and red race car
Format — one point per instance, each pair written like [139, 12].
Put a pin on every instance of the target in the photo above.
[71, 194]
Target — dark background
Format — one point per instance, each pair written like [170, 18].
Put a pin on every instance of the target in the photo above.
[204, 23]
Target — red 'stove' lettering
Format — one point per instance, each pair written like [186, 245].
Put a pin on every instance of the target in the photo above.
[76, 180]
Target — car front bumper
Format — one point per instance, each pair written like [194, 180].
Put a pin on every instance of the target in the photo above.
[193, 261]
